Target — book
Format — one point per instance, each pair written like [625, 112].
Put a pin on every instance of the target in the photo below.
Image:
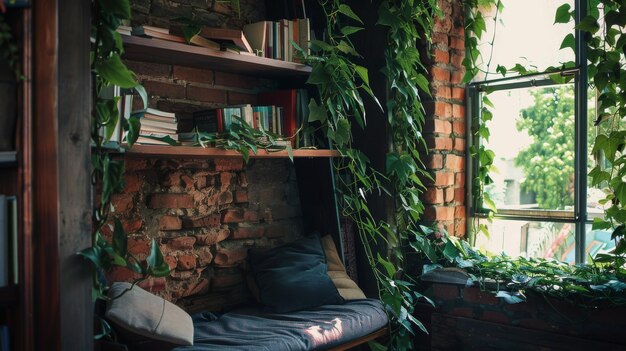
[148, 123]
[156, 32]
[204, 42]
[124, 30]
[148, 141]
[287, 100]
[4, 242]
[223, 34]
[206, 121]
[256, 33]
[153, 111]
[152, 117]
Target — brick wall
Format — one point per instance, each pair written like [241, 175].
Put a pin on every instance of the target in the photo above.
[445, 123]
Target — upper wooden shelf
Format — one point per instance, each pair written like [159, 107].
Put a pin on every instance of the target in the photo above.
[192, 151]
[168, 52]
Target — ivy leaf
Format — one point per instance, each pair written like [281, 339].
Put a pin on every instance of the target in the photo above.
[501, 69]
[318, 76]
[119, 238]
[510, 297]
[568, 42]
[389, 267]
[588, 24]
[347, 30]
[166, 139]
[115, 71]
[316, 112]
[599, 223]
[134, 125]
[363, 73]
[563, 14]
[120, 8]
[342, 133]
[347, 11]
[155, 261]
[143, 94]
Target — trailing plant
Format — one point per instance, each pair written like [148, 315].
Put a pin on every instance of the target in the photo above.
[107, 70]
[9, 51]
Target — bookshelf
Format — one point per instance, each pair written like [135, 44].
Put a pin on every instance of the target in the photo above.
[192, 151]
[8, 295]
[163, 51]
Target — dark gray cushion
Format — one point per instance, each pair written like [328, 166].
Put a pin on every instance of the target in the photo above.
[294, 276]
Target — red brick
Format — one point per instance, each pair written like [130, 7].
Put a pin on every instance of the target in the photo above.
[226, 198]
[437, 126]
[122, 274]
[438, 213]
[171, 261]
[459, 179]
[230, 257]
[204, 257]
[459, 195]
[202, 222]
[132, 225]
[139, 247]
[445, 292]
[251, 216]
[236, 98]
[443, 109]
[248, 232]
[460, 227]
[212, 237]
[434, 161]
[443, 92]
[456, 60]
[455, 162]
[433, 196]
[201, 287]
[133, 183]
[228, 164]
[186, 262]
[448, 195]
[243, 180]
[225, 180]
[182, 243]
[458, 128]
[136, 164]
[441, 56]
[457, 43]
[163, 89]
[440, 75]
[459, 144]
[168, 222]
[149, 69]
[206, 94]
[439, 143]
[442, 24]
[188, 181]
[458, 31]
[171, 179]
[201, 181]
[153, 284]
[458, 111]
[122, 203]
[193, 74]
[457, 76]
[459, 212]
[241, 196]
[234, 215]
[235, 81]
[458, 94]
[444, 178]
[169, 200]
[440, 38]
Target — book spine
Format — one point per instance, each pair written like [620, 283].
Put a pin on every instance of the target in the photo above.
[4, 242]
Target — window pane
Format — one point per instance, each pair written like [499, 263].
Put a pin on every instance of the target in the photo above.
[525, 33]
[598, 241]
[532, 136]
[529, 239]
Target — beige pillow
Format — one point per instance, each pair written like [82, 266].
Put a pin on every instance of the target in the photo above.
[337, 272]
[140, 312]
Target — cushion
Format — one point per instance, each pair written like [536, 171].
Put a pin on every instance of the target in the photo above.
[139, 312]
[347, 287]
[293, 276]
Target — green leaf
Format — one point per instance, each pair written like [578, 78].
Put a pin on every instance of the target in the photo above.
[342, 133]
[316, 112]
[134, 125]
[347, 30]
[363, 73]
[143, 94]
[599, 223]
[568, 42]
[389, 267]
[167, 139]
[155, 261]
[116, 72]
[510, 297]
[347, 11]
[563, 14]
[119, 238]
[588, 24]
[120, 8]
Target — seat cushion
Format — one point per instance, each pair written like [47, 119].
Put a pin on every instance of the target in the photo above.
[337, 272]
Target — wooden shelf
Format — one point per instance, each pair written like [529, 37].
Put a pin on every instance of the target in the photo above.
[191, 151]
[8, 296]
[168, 52]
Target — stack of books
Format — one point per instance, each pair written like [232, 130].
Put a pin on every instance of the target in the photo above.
[155, 32]
[157, 124]
[273, 39]
[283, 112]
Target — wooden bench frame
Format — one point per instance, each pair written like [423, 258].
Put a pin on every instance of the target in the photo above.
[362, 340]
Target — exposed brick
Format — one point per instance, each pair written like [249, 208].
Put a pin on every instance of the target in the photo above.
[206, 94]
[458, 94]
[459, 144]
[138, 247]
[457, 43]
[188, 181]
[459, 212]
[460, 228]
[444, 178]
[441, 56]
[133, 183]
[225, 180]
[234, 215]
[237, 98]
[248, 232]
[213, 237]
[433, 196]
[122, 203]
[171, 261]
[226, 198]
[459, 195]
[442, 24]
[536, 324]
[457, 60]
[235, 80]
[458, 128]
[440, 75]
[438, 213]
[230, 257]
[439, 143]
[458, 111]
[163, 89]
[136, 164]
[446, 292]
[171, 179]
[228, 164]
[153, 284]
[202, 222]
[168, 200]
[434, 161]
[241, 196]
[457, 76]
[168, 222]
[443, 109]
[448, 195]
[251, 216]
[243, 180]
[459, 179]
[204, 257]
[132, 225]
[455, 162]
[154, 70]
[440, 38]
[458, 31]
[443, 92]
[437, 126]
[193, 74]
[182, 243]
[186, 262]
[122, 274]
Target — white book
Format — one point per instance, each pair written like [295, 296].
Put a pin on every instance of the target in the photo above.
[4, 242]
[160, 113]
[256, 34]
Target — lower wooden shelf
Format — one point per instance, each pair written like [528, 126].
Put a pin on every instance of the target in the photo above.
[191, 151]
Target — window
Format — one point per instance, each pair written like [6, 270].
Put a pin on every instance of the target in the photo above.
[538, 129]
